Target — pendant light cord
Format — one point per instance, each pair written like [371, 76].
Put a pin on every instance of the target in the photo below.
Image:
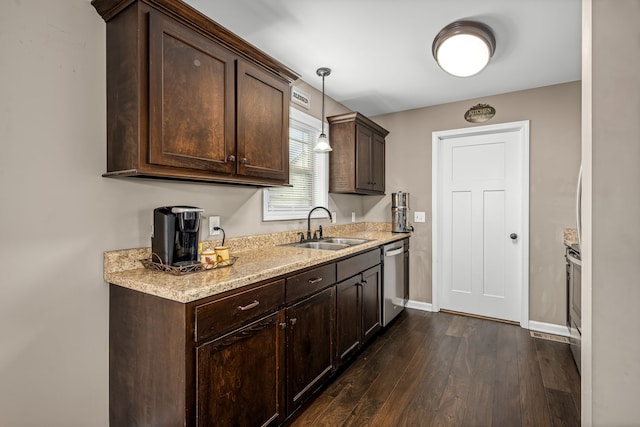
[322, 116]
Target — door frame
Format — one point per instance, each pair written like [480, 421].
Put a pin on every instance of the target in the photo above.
[522, 127]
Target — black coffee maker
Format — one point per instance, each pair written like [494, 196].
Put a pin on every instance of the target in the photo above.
[175, 235]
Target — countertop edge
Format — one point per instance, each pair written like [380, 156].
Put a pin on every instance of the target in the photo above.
[253, 266]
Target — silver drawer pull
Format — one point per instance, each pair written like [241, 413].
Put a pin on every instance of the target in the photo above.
[249, 307]
[315, 280]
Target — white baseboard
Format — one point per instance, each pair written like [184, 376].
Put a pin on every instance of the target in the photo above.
[549, 328]
[419, 305]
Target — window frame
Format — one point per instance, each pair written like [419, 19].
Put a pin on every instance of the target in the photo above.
[320, 196]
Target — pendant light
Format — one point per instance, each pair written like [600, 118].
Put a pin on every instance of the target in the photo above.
[463, 48]
[322, 145]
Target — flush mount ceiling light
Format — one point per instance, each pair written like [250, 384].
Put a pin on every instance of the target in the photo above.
[322, 145]
[463, 48]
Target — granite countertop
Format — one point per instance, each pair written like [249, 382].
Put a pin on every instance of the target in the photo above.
[258, 258]
[570, 236]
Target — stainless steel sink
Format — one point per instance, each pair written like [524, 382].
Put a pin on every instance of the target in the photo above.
[345, 240]
[319, 245]
[329, 243]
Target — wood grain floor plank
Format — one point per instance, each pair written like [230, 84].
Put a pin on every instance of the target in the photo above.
[405, 374]
[451, 407]
[347, 388]
[479, 409]
[381, 388]
[442, 369]
[506, 398]
[417, 394]
[534, 409]
[361, 378]
[563, 408]
[553, 361]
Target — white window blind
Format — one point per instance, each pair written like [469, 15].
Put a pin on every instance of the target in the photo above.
[307, 173]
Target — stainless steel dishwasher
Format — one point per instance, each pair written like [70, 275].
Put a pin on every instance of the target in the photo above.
[393, 289]
[574, 296]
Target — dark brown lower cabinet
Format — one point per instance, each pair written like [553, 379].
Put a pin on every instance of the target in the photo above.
[310, 346]
[250, 357]
[239, 377]
[348, 318]
[371, 282]
[357, 312]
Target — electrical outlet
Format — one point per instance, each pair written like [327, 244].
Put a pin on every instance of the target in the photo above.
[419, 217]
[214, 221]
[334, 217]
[353, 217]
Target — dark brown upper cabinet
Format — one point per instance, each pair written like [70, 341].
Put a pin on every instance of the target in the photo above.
[357, 162]
[187, 99]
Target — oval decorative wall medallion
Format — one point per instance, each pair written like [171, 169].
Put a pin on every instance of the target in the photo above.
[479, 113]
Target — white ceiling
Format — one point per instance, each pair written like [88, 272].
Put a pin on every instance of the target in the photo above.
[380, 50]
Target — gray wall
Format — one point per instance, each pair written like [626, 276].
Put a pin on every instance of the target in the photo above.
[554, 112]
[59, 215]
[611, 377]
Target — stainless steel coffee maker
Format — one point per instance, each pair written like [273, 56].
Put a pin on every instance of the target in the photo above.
[175, 235]
[400, 213]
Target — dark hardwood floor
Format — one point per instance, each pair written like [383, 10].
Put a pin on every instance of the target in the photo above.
[440, 369]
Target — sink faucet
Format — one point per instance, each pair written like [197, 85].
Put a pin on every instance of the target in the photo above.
[309, 219]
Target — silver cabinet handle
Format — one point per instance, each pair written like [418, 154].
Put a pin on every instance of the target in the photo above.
[315, 280]
[293, 321]
[249, 307]
[231, 158]
[243, 160]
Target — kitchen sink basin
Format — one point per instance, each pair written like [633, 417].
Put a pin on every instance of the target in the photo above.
[329, 243]
[320, 245]
[345, 240]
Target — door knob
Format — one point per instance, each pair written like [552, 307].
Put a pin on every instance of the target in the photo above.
[513, 236]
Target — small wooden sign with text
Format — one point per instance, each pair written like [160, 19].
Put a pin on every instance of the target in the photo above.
[479, 113]
[300, 97]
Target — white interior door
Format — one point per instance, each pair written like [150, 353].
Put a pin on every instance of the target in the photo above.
[482, 230]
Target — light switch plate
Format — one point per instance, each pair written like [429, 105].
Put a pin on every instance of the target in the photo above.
[334, 217]
[419, 217]
[353, 217]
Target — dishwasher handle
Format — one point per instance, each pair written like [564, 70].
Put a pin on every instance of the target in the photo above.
[394, 252]
[574, 260]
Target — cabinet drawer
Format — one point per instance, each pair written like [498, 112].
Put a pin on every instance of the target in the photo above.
[229, 313]
[311, 281]
[357, 264]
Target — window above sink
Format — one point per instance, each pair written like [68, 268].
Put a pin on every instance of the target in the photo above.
[308, 173]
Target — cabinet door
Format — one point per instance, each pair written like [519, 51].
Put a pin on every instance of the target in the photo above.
[191, 99]
[364, 137]
[263, 124]
[239, 377]
[310, 345]
[370, 302]
[377, 161]
[348, 318]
